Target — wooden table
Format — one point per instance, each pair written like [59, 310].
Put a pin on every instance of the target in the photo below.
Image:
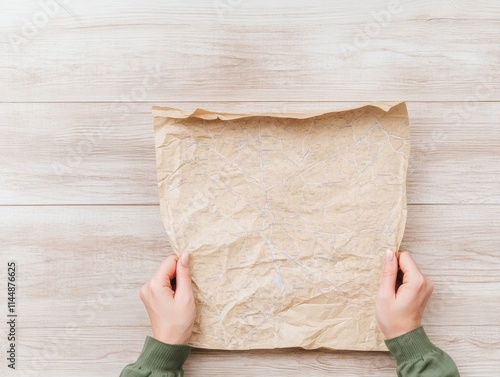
[79, 203]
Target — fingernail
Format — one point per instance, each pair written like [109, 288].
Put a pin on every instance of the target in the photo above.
[389, 255]
[185, 260]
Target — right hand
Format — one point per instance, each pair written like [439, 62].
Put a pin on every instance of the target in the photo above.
[400, 310]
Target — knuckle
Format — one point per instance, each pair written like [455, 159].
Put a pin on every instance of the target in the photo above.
[404, 254]
[154, 289]
[184, 275]
[419, 281]
[388, 272]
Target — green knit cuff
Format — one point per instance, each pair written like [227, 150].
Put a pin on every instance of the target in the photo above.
[410, 346]
[157, 355]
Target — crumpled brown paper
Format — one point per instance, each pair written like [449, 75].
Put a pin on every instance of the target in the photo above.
[286, 217]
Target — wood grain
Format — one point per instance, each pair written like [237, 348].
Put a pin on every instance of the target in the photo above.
[103, 153]
[251, 50]
[106, 350]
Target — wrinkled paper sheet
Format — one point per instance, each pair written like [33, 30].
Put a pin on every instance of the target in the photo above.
[286, 218]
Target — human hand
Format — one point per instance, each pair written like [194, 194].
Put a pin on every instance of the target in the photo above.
[400, 310]
[172, 313]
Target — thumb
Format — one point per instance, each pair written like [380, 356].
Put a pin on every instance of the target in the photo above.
[389, 275]
[184, 286]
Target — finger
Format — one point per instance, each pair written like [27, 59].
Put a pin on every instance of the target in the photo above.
[184, 288]
[408, 266]
[389, 275]
[165, 273]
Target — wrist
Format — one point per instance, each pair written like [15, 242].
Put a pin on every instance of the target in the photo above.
[171, 337]
[397, 332]
[397, 325]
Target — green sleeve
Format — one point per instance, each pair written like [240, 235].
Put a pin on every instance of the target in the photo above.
[416, 356]
[158, 359]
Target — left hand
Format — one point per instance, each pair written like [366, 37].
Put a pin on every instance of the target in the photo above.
[172, 313]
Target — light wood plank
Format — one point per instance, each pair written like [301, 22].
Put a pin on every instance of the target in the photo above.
[84, 153]
[104, 351]
[250, 50]
[85, 264]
